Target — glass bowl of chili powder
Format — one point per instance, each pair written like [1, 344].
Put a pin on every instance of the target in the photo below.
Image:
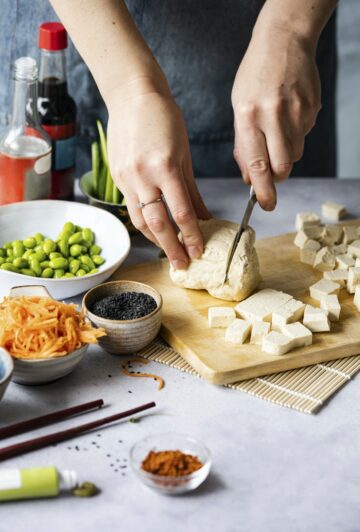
[171, 463]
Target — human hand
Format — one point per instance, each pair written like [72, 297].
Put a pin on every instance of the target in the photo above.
[276, 99]
[150, 157]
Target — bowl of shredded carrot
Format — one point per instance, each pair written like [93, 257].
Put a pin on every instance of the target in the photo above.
[46, 338]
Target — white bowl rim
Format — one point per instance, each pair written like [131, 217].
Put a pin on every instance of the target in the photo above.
[7, 362]
[108, 267]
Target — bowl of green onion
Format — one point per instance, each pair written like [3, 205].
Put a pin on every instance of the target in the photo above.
[99, 187]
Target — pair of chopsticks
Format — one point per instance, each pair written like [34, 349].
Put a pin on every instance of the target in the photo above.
[56, 437]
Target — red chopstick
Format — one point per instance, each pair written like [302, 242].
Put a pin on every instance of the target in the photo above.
[43, 441]
[48, 419]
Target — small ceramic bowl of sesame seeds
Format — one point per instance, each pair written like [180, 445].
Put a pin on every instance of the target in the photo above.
[129, 311]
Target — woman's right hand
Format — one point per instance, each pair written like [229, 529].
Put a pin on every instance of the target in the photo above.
[150, 157]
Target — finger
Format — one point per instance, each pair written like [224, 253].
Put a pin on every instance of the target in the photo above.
[279, 136]
[200, 208]
[137, 218]
[255, 164]
[178, 200]
[158, 221]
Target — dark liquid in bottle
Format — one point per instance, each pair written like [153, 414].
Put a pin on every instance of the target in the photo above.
[57, 112]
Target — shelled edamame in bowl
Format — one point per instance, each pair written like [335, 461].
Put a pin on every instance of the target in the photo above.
[65, 246]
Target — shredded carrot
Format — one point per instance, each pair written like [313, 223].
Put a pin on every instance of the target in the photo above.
[41, 327]
[159, 380]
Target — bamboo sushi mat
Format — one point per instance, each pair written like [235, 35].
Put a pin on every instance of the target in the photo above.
[305, 389]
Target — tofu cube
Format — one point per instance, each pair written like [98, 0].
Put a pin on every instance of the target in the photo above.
[338, 249]
[333, 211]
[238, 331]
[333, 234]
[307, 256]
[357, 263]
[221, 316]
[323, 288]
[314, 232]
[258, 331]
[306, 219]
[354, 249]
[300, 334]
[337, 276]
[345, 261]
[357, 297]
[300, 239]
[353, 279]
[276, 343]
[260, 305]
[292, 311]
[324, 260]
[331, 304]
[316, 319]
[350, 233]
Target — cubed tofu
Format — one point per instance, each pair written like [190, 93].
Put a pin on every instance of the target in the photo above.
[357, 263]
[306, 219]
[258, 331]
[300, 238]
[260, 305]
[333, 211]
[350, 233]
[312, 245]
[314, 232]
[354, 249]
[337, 276]
[324, 260]
[220, 316]
[307, 256]
[353, 279]
[357, 297]
[316, 319]
[276, 343]
[331, 304]
[290, 312]
[332, 235]
[345, 261]
[338, 249]
[300, 334]
[238, 331]
[323, 288]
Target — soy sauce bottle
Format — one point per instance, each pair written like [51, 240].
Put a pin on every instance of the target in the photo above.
[57, 110]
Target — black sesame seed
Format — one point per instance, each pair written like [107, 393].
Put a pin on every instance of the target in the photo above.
[124, 306]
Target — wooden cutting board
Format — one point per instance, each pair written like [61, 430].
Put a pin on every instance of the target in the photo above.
[185, 325]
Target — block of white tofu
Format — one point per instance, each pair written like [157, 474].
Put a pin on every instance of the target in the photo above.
[357, 263]
[324, 260]
[332, 234]
[259, 306]
[306, 219]
[333, 211]
[331, 304]
[357, 297]
[312, 245]
[316, 319]
[350, 233]
[290, 312]
[238, 331]
[323, 288]
[220, 316]
[337, 276]
[354, 249]
[258, 331]
[338, 249]
[301, 238]
[276, 343]
[314, 232]
[345, 262]
[307, 256]
[300, 334]
[353, 279]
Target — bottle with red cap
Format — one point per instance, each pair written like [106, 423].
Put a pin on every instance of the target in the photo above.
[56, 108]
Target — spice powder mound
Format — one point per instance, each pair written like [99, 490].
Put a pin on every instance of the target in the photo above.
[171, 463]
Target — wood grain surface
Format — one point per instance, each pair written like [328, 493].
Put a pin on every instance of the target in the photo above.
[185, 325]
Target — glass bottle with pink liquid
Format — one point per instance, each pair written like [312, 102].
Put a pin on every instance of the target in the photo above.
[25, 148]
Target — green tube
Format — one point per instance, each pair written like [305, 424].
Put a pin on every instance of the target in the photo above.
[109, 187]
[95, 156]
[34, 483]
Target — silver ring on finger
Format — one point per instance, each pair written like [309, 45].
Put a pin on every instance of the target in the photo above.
[141, 205]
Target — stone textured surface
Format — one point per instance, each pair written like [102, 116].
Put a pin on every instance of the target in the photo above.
[274, 469]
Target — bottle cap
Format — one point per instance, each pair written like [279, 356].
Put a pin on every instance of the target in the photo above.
[25, 69]
[52, 36]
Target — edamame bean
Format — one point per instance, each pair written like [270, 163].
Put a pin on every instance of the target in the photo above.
[39, 238]
[47, 273]
[58, 263]
[54, 255]
[83, 249]
[21, 263]
[98, 260]
[29, 242]
[10, 253]
[49, 246]
[69, 227]
[80, 273]
[64, 235]
[39, 255]
[18, 248]
[78, 228]
[59, 273]
[2, 252]
[74, 266]
[64, 248]
[76, 238]
[68, 275]
[88, 235]
[75, 250]
[44, 264]
[2, 260]
[27, 254]
[7, 245]
[85, 259]
[85, 267]
[27, 271]
[94, 270]
[9, 268]
[35, 266]
[95, 250]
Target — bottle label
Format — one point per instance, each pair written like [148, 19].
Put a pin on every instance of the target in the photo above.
[10, 479]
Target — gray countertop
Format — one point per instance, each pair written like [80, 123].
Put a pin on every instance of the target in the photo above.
[274, 469]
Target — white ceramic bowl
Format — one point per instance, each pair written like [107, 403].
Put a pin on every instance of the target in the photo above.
[19, 220]
[6, 370]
